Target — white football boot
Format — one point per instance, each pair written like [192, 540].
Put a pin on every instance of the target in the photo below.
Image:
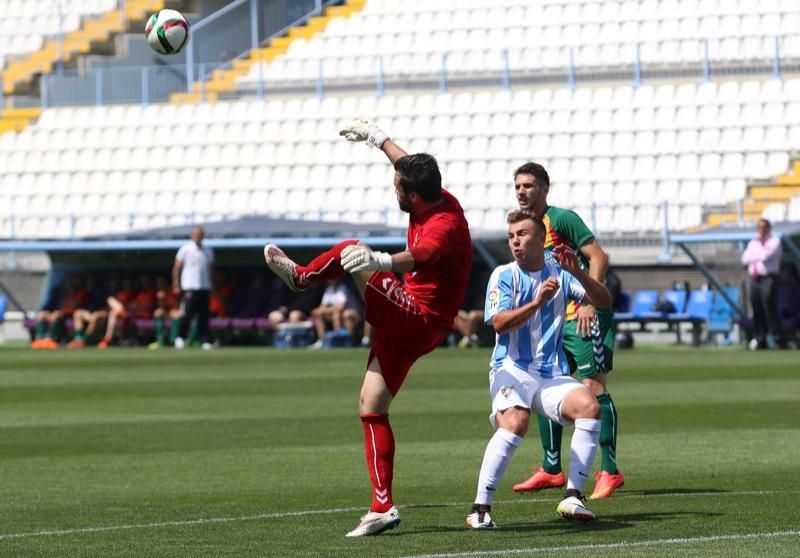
[480, 519]
[573, 508]
[375, 522]
[282, 266]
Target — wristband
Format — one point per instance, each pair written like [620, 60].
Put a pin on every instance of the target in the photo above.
[384, 259]
[376, 137]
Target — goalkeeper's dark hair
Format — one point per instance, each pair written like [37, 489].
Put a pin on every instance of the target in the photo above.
[420, 173]
[537, 170]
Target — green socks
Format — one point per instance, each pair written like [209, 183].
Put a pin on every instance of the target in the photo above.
[174, 328]
[550, 433]
[551, 444]
[41, 327]
[608, 433]
[192, 339]
[159, 327]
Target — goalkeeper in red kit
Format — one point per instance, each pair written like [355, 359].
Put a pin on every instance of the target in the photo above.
[410, 318]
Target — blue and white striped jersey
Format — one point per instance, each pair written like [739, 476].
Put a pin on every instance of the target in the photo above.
[536, 347]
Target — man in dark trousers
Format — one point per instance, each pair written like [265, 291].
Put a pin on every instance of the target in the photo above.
[763, 260]
[191, 276]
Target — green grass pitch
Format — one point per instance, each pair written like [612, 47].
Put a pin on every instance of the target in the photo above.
[256, 452]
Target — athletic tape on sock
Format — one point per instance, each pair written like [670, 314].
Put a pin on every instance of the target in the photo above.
[509, 437]
[592, 425]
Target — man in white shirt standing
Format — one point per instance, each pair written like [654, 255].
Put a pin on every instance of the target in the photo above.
[763, 260]
[191, 275]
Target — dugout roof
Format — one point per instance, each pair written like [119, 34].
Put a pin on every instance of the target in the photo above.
[786, 231]
[247, 232]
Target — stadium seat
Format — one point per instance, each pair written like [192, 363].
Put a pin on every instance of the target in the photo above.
[698, 310]
[642, 307]
[445, 30]
[665, 139]
[678, 300]
[775, 212]
[721, 313]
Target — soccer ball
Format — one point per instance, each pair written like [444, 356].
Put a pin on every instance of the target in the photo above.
[167, 32]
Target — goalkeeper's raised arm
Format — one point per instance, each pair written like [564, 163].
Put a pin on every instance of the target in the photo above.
[363, 130]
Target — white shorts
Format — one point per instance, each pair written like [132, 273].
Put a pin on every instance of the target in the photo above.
[512, 387]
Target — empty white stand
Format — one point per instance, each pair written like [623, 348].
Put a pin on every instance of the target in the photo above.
[776, 212]
[26, 24]
[793, 209]
[475, 35]
[92, 170]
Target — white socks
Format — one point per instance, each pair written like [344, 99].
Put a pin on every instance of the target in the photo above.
[495, 461]
[581, 452]
[503, 444]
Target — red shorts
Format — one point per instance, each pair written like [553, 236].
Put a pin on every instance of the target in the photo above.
[403, 331]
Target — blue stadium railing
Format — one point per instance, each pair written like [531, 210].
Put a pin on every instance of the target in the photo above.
[215, 41]
[234, 30]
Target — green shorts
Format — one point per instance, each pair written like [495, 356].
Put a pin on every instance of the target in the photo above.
[592, 355]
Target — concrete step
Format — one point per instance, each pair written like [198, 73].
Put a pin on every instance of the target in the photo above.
[774, 193]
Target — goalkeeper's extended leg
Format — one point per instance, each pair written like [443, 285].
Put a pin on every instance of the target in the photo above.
[297, 277]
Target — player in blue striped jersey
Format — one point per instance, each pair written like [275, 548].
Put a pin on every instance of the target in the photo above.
[536, 348]
[525, 304]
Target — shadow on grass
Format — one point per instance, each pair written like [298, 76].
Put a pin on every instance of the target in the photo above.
[672, 491]
[555, 527]
[606, 522]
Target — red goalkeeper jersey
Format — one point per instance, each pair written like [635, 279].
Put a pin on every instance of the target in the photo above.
[440, 242]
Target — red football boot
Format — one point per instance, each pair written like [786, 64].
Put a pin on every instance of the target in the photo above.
[605, 484]
[541, 479]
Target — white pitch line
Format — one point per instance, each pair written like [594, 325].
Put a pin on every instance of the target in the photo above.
[282, 515]
[619, 545]
[181, 523]
[708, 493]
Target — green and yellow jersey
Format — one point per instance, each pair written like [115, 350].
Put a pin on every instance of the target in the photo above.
[564, 227]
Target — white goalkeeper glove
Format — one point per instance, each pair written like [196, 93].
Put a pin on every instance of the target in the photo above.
[360, 258]
[362, 130]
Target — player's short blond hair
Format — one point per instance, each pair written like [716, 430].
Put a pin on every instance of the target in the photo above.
[519, 215]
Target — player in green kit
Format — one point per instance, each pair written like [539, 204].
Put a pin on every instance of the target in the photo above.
[588, 336]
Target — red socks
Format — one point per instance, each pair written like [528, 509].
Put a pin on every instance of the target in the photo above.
[379, 446]
[324, 267]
